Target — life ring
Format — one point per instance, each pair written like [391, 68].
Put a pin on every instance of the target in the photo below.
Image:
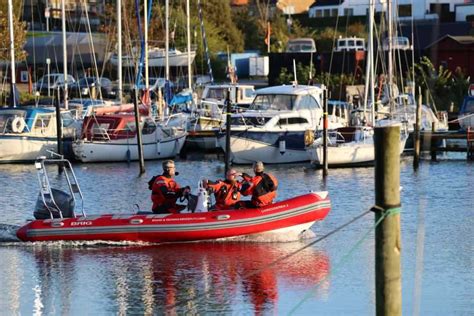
[308, 137]
[18, 124]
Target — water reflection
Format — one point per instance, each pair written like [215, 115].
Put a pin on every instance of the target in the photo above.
[195, 278]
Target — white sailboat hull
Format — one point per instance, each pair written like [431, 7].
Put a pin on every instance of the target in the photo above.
[247, 151]
[345, 154]
[17, 148]
[127, 150]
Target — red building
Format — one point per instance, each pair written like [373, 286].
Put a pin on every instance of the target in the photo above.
[452, 52]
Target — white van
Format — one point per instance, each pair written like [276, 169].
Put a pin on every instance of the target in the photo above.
[347, 44]
[301, 45]
[398, 42]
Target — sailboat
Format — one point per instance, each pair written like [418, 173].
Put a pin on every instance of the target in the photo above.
[353, 146]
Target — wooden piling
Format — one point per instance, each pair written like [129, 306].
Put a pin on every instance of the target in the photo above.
[227, 132]
[416, 134]
[470, 144]
[139, 133]
[433, 142]
[388, 288]
[325, 133]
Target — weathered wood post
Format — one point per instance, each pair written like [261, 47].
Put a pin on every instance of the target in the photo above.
[433, 142]
[227, 132]
[139, 133]
[388, 287]
[325, 133]
[59, 130]
[416, 134]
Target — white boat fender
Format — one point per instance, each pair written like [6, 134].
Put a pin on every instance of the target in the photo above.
[282, 146]
[202, 199]
[18, 124]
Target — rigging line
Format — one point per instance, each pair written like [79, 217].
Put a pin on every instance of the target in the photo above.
[345, 258]
[332, 50]
[272, 264]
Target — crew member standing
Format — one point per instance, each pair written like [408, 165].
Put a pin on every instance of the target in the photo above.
[165, 191]
[262, 186]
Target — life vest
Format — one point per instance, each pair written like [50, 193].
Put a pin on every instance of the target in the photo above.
[164, 194]
[263, 189]
[227, 194]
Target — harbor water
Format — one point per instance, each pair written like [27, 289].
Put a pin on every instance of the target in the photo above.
[332, 277]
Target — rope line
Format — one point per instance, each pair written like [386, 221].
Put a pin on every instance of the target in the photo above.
[272, 264]
[385, 213]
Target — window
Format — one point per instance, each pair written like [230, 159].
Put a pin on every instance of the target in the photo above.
[319, 13]
[273, 102]
[348, 12]
[307, 102]
[334, 12]
[297, 120]
[327, 13]
[248, 93]
[404, 10]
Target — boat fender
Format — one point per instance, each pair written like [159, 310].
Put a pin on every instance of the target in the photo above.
[202, 199]
[308, 137]
[18, 124]
[282, 146]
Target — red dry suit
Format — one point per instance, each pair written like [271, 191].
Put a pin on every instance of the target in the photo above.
[262, 187]
[227, 193]
[164, 194]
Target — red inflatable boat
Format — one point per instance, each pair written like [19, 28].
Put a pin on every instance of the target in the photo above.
[293, 215]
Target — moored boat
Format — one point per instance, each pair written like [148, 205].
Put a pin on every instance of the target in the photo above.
[59, 221]
[29, 132]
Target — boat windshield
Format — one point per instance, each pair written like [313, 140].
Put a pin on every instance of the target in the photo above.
[278, 102]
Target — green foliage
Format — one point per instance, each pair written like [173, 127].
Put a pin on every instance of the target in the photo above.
[444, 86]
[19, 30]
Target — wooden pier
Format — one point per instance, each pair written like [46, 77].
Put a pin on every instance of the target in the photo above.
[450, 141]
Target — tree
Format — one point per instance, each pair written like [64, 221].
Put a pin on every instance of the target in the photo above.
[19, 30]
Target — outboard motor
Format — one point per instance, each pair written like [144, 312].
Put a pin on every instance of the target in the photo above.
[64, 202]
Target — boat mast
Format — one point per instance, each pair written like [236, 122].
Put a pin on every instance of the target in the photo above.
[63, 24]
[167, 42]
[188, 31]
[145, 28]
[206, 48]
[119, 49]
[12, 54]
[390, 57]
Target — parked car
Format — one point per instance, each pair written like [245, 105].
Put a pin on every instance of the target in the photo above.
[398, 42]
[85, 87]
[301, 45]
[51, 82]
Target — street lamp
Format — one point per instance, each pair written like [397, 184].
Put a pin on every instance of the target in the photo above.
[48, 62]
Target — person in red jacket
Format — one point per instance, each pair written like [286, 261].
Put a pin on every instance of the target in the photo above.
[262, 187]
[165, 191]
[227, 192]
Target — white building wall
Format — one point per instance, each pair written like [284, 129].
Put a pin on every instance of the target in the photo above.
[360, 7]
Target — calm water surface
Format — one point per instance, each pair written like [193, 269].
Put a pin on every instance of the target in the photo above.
[329, 278]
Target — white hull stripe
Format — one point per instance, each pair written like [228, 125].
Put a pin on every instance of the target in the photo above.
[167, 228]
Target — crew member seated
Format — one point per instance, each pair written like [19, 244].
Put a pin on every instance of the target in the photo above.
[165, 191]
[227, 192]
[262, 187]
